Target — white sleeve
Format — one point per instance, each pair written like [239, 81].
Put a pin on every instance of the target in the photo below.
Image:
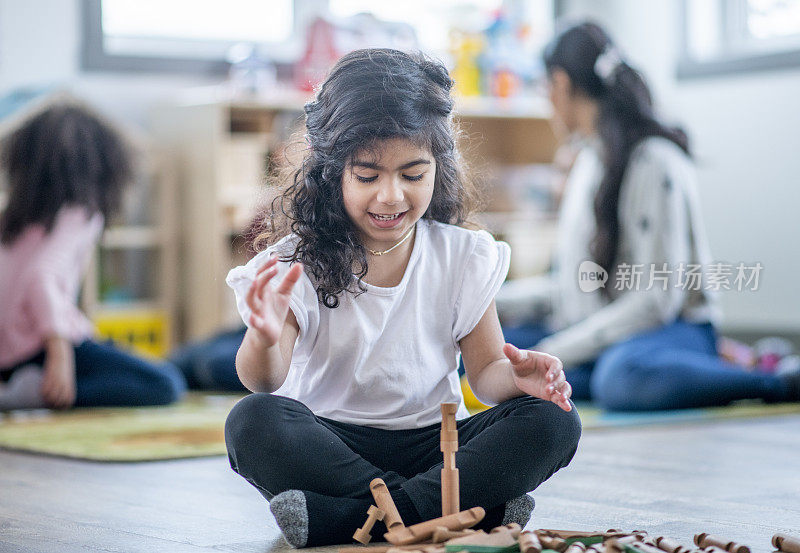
[480, 278]
[303, 301]
[655, 220]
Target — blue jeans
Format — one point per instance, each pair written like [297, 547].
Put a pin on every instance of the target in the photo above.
[106, 376]
[675, 366]
[211, 364]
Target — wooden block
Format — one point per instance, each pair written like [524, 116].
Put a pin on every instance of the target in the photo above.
[786, 543]
[575, 547]
[671, 545]
[599, 547]
[424, 530]
[449, 436]
[450, 492]
[500, 541]
[514, 529]
[362, 535]
[379, 548]
[553, 542]
[448, 447]
[712, 549]
[441, 534]
[640, 547]
[571, 534]
[384, 501]
[705, 540]
[529, 543]
[449, 409]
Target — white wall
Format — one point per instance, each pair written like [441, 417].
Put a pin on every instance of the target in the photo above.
[40, 45]
[744, 129]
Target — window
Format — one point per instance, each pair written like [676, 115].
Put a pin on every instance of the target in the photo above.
[180, 35]
[195, 36]
[432, 21]
[726, 36]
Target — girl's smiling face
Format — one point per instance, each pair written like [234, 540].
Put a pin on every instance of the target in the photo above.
[386, 189]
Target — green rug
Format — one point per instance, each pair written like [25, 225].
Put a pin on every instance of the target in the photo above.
[191, 428]
[194, 427]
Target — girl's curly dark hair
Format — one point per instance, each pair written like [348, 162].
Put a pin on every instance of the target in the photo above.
[64, 155]
[369, 96]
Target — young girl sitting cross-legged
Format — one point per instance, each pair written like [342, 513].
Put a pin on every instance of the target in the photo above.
[357, 315]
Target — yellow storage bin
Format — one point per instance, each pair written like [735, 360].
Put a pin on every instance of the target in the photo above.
[145, 332]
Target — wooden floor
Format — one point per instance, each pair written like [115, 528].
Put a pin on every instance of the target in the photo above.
[740, 479]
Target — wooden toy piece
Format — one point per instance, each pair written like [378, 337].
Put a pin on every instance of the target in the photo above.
[712, 549]
[442, 534]
[362, 535]
[629, 544]
[599, 547]
[419, 548]
[786, 543]
[499, 540]
[514, 529]
[576, 534]
[424, 530]
[384, 501]
[379, 549]
[575, 547]
[617, 545]
[705, 540]
[529, 543]
[553, 542]
[449, 446]
[671, 545]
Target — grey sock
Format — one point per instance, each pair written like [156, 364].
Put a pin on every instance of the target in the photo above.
[519, 510]
[291, 514]
[23, 390]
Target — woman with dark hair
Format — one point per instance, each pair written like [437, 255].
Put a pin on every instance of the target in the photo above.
[634, 321]
[356, 317]
[66, 169]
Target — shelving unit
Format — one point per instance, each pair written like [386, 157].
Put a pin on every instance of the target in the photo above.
[130, 292]
[221, 148]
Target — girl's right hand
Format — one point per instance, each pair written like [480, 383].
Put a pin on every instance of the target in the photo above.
[269, 306]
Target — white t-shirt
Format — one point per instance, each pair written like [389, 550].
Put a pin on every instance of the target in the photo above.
[389, 357]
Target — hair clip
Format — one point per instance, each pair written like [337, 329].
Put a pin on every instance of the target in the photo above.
[607, 63]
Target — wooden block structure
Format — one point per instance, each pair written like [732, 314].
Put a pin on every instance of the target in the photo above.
[449, 446]
[362, 535]
[705, 540]
[424, 530]
[786, 543]
[384, 501]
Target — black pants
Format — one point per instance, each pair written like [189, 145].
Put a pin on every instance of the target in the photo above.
[278, 444]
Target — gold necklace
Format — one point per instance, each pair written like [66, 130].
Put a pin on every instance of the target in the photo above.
[403, 239]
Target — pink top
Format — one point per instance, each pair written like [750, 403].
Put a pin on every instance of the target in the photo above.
[40, 275]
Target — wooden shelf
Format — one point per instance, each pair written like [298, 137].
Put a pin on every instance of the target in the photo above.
[130, 237]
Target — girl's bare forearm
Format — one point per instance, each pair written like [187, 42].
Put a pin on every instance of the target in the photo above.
[261, 368]
[495, 383]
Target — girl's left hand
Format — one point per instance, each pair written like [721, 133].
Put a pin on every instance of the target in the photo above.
[539, 375]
